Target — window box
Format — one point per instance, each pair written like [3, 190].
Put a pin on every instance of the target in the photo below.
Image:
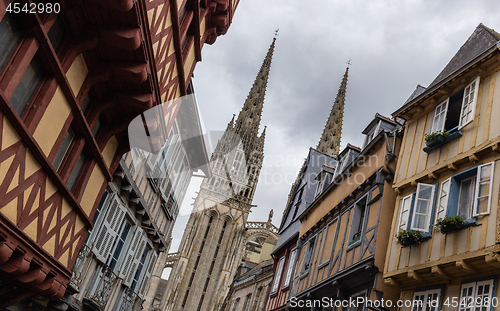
[435, 139]
[446, 139]
[409, 237]
[450, 223]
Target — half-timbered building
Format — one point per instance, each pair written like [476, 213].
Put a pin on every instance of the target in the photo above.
[318, 167]
[344, 231]
[72, 78]
[447, 183]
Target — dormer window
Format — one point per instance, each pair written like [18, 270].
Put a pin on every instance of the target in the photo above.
[372, 133]
[457, 110]
[321, 183]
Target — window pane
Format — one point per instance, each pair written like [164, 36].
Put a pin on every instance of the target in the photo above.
[30, 81]
[56, 34]
[63, 149]
[465, 198]
[9, 38]
[76, 171]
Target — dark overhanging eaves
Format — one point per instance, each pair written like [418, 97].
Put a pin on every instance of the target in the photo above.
[430, 91]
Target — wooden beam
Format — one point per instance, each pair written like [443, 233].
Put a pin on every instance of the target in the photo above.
[391, 282]
[415, 275]
[473, 158]
[433, 176]
[493, 260]
[464, 265]
[438, 271]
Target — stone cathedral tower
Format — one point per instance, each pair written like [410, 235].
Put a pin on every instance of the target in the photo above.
[330, 140]
[213, 243]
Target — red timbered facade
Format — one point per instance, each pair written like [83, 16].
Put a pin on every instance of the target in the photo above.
[70, 83]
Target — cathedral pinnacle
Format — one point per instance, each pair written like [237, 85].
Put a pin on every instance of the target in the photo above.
[248, 121]
[330, 140]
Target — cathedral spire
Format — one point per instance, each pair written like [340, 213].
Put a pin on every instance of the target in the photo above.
[330, 140]
[247, 124]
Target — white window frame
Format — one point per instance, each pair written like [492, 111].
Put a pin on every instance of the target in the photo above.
[425, 302]
[403, 220]
[429, 212]
[469, 304]
[321, 184]
[475, 212]
[472, 197]
[289, 269]
[444, 195]
[279, 271]
[470, 103]
[436, 118]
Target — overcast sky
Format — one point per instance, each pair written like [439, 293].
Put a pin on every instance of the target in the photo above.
[394, 45]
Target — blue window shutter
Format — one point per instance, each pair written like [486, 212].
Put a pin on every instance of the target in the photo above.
[453, 197]
[410, 217]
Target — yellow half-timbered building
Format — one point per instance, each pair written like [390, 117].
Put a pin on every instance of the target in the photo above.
[447, 182]
[344, 231]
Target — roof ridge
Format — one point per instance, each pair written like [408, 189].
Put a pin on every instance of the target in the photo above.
[490, 30]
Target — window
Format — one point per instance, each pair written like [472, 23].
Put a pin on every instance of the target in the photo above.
[9, 38]
[404, 214]
[417, 209]
[467, 193]
[247, 302]
[465, 197]
[236, 303]
[289, 269]
[457, 110]
[321, 183]
[428, 300]
[357, 307]
[277, 276]
[119, 245]
[308, 257]
[138, 273]
[82, 158]
[56, 34]
[27, 87]
[63, 148]
[423, 207]
[357, 222]
[475, 294]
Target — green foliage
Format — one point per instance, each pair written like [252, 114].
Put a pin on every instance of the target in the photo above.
[408, 237]
[450, 221]
[433, 136]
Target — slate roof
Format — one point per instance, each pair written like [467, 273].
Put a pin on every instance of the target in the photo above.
[418, 90]
[482, 40]
[290, 224]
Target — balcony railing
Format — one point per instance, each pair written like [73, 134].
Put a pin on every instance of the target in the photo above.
[171, 259]
[81, 267]
[262, 225]
[101, 288]
[105, 284]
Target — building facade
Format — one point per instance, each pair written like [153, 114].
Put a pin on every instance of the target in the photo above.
[343, 235]
[212, 245]
[447, 183]
[253, 278]
[320, 161]
[70, 83]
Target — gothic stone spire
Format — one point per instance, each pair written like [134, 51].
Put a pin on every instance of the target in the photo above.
[247, 124]
[330, 140]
